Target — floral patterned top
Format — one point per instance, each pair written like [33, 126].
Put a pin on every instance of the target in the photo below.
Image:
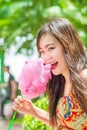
[70, 115]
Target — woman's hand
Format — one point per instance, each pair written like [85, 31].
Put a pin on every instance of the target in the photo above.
[23, 106]
[26, 107]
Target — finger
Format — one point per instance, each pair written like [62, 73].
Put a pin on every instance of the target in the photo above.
[17, 102]
[17, 106]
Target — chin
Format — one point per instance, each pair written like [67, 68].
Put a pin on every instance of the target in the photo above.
[55, 73]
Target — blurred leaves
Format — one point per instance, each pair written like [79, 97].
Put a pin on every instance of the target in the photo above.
[21, 18]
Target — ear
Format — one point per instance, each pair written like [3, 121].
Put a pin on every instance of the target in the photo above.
[83, 74]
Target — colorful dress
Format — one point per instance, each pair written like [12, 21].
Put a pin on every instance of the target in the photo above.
[70, 115]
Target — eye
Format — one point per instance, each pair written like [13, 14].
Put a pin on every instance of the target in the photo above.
[51, 48]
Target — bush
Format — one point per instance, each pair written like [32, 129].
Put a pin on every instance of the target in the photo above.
[30, 123]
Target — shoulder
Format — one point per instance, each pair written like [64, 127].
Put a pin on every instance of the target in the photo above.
[83, 73]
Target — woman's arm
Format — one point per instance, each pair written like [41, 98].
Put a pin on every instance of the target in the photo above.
[27, 107]
[42, 115]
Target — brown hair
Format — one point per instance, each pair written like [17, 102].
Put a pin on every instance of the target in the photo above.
[76, 60]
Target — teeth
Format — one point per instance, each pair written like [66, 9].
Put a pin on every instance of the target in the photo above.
[53, 63]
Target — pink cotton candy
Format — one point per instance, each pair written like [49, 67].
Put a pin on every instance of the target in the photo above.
[33, 78]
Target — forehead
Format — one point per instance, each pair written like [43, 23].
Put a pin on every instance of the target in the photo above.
[47, 40]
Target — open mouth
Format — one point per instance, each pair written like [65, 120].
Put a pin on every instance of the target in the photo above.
[53, 66]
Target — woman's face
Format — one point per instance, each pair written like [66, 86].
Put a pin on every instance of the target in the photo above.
[52, 52]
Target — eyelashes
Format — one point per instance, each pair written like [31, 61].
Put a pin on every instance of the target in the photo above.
[41, 52]
[51, 48]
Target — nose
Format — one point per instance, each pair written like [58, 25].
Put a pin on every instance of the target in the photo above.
[47, 58]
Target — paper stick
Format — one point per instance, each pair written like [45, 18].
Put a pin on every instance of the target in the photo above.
[12, 120]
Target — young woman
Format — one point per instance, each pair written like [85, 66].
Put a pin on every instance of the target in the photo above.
[59, 45]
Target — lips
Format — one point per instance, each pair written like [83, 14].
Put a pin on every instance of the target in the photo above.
[53, 66]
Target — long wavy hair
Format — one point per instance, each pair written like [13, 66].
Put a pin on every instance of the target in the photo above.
[76, 59]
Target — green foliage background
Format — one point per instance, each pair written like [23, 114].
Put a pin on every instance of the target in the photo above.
[21, 19]
[19, 24]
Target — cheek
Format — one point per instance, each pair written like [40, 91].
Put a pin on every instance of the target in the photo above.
[60, 54]
[57, 52]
